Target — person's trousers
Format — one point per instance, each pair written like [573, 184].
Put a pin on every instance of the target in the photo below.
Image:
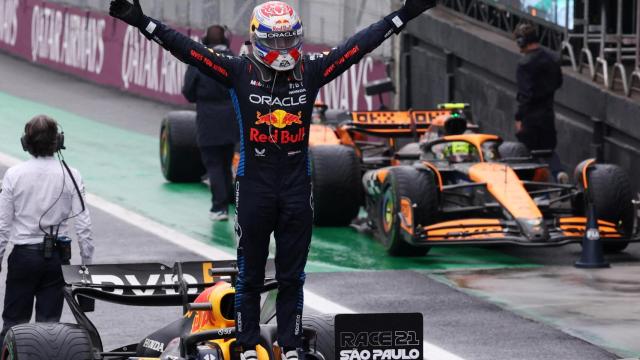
[286, 209]
[29, 276]
[218, 161]
[542, 138]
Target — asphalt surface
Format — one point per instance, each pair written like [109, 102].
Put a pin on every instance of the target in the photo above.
[462, 324]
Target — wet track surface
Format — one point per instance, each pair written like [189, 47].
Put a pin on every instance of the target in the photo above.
[112, 140]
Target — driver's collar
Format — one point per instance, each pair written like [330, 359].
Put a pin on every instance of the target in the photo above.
[267, 73]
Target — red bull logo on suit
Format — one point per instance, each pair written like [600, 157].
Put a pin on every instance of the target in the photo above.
[280, 120]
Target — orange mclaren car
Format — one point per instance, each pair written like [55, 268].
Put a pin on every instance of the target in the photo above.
[477, 189]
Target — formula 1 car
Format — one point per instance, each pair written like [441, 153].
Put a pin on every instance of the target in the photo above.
[476, 189]
[343, 146]
[205, 332]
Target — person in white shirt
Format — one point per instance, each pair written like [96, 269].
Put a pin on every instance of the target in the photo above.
[38, 198]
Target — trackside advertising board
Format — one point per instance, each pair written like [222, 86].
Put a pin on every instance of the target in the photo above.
[379, 336]
[98, 48]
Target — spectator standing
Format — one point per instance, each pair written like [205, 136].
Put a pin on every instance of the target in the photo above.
[216, 125]
[38, 198]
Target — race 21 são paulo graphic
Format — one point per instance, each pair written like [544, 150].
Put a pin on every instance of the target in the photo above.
[93, 46]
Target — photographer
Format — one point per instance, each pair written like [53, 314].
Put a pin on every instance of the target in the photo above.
[38, 197]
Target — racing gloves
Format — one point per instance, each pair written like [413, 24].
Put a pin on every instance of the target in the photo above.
[411, 10]
[132, 14]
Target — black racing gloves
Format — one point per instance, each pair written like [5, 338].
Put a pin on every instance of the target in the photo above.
[132, 14]
[411, 10]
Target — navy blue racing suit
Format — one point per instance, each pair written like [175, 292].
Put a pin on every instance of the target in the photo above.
[273, 188]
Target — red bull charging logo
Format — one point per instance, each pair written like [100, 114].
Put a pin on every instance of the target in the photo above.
[279, 119]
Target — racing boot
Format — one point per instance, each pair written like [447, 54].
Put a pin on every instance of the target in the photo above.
[249, 355]
[289, 354]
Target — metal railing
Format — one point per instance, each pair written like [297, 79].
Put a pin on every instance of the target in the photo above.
[603, 36]
[498, 16]
[608, 52]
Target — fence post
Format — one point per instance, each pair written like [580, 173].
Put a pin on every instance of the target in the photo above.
[637, 36]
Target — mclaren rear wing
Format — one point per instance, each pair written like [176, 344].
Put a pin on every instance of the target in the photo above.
[397, 124]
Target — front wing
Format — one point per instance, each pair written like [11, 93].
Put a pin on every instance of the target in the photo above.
[488, 231]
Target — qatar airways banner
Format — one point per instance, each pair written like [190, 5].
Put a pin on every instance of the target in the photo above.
[96, 47]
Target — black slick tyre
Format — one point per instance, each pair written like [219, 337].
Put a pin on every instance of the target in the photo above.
[47, 342]
[179, 154]
[337, 190]
[513, 150]
[612, 196]
[323, 345]
[421, 188]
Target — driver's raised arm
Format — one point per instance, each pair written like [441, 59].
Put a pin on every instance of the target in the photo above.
[326, 68]
[220, 67]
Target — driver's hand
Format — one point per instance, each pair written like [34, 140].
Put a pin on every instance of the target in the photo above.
[413, 8]
[130, 13]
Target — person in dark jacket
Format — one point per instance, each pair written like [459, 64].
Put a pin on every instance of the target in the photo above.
[538, 77]
[217, 130]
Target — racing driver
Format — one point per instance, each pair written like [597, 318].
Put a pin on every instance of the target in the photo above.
[273, 90]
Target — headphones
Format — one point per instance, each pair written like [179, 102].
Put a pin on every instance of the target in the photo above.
[227, 35]
[26, 144]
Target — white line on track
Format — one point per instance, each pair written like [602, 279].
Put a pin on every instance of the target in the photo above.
[312, 300]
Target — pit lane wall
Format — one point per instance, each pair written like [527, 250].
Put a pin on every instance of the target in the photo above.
[93, 46]
[447, 57]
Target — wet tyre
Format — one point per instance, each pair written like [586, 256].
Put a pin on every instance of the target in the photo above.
[612, 196]
[323, 346]
[421, 188]
[337, 192]
[513, 150]
[47, 342]
[179, 154]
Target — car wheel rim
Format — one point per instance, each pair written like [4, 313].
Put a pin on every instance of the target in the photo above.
[164, 149]
[388, 211]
